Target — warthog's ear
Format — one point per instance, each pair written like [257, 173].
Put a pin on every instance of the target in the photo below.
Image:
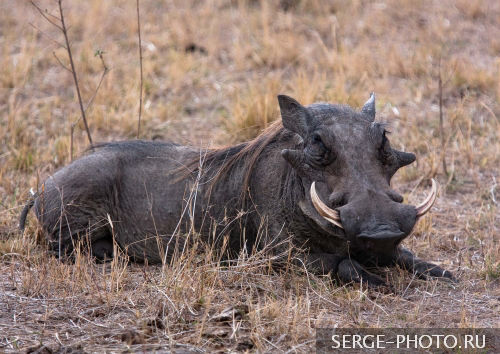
[369, 107]
[294, 116]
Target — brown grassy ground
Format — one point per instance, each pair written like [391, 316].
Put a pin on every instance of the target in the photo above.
[212, 71]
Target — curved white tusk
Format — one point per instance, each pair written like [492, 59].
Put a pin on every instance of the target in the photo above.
[329, 214]
[428, 202]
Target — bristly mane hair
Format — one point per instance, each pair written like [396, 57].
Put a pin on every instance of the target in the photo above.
[223, 159]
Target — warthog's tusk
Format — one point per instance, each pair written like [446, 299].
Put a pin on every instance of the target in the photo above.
[428, 202]
[329, 214]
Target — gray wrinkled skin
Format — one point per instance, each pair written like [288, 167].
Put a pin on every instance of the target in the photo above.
[139, 192]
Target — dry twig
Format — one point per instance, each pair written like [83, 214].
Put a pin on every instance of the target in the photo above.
[62, 27]
[73, 70]
[105, 70]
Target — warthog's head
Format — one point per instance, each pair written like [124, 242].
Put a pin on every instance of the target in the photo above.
[348, 162]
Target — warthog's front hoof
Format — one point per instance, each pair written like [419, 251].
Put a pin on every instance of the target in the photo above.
[426, 269]
[407, 260]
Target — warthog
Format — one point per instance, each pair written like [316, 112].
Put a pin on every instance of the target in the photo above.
[320, 177]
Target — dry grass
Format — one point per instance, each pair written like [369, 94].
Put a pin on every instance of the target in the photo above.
[211, 74]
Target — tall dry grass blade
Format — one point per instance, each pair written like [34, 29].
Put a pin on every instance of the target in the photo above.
[140, 65]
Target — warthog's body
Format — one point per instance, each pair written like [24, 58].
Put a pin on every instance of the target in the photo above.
[149, 195]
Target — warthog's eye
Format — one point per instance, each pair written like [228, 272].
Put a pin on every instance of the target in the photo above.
[386, 154]
[316, 138]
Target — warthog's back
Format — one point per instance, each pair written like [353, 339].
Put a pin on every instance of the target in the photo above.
[123, 188]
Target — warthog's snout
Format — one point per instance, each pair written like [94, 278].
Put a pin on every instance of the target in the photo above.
[374, 221]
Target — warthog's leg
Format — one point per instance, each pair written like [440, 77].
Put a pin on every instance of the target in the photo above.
[351, 271]
[102, 249]
[407, 260]
[322, 263]
[347, 270]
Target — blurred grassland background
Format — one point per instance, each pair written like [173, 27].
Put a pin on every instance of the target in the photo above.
[212, 70]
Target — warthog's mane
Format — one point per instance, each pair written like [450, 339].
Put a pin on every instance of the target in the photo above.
[219, 162]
